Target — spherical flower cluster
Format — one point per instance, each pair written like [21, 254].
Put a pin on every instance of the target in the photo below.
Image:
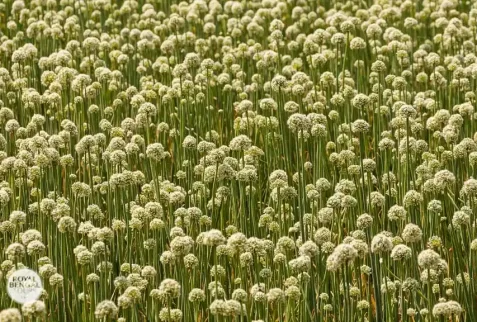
[447, 309]
[396, 213]
[342, 254]
[428, 259]
[213, 237]
[33, 309]
[401, 252]
[10, 315]
[381, 244]
[106, 309]
[170, 287]
[412, 233]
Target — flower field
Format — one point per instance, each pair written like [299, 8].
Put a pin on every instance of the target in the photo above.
[239, 161]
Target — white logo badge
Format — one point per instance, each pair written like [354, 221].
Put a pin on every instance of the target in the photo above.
[24, 286]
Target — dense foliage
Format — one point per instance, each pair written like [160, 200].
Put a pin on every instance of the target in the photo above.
[261, 160]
